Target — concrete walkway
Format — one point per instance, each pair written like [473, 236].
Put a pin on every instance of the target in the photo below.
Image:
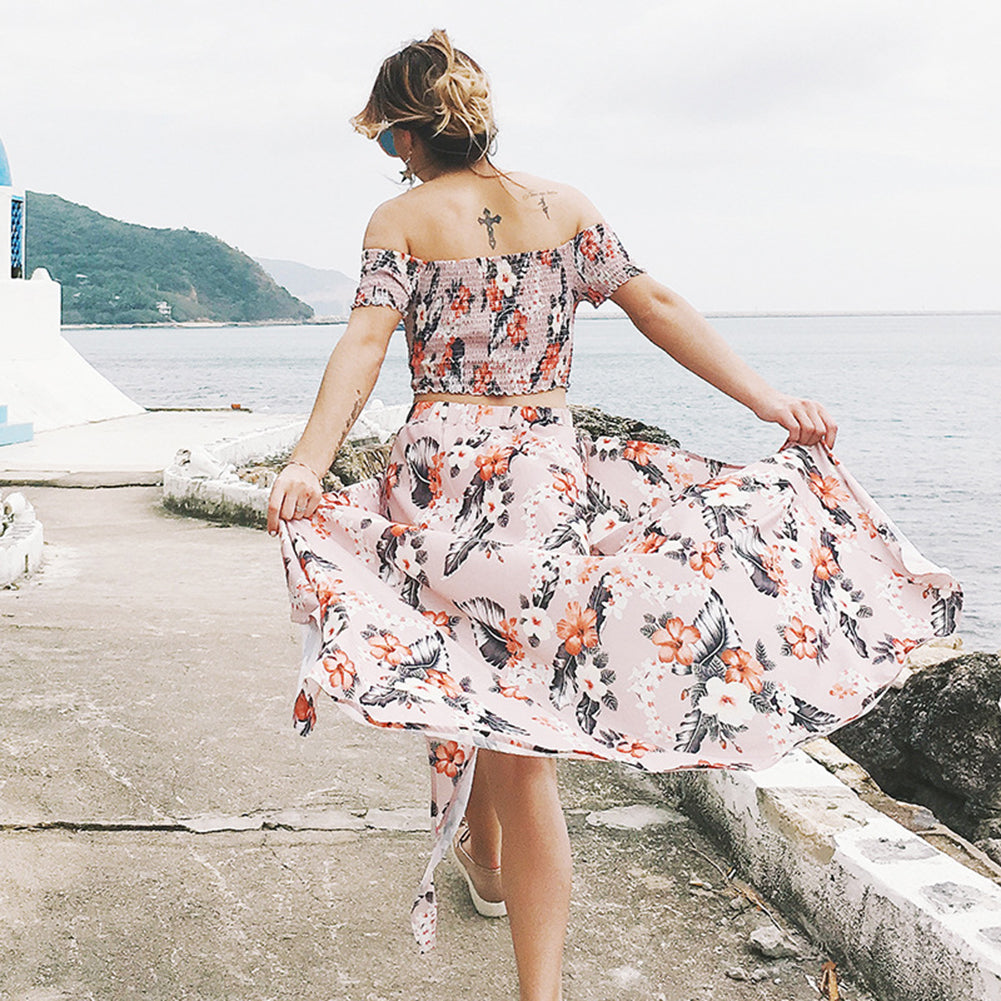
[165, 835]
[125, 451]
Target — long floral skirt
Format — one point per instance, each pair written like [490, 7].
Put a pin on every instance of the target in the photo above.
[509, 582]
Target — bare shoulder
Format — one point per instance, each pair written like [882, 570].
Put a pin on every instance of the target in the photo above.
[386, 228]
[563, 201]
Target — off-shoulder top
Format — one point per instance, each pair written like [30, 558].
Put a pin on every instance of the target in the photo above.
[497, 325]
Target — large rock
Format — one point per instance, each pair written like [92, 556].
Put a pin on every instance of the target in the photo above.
[937, 741]
[597, 423]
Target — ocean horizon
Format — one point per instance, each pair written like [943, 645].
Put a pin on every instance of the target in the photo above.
[913, 394]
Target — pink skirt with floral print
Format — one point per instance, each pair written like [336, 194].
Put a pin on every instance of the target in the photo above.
[509, 582]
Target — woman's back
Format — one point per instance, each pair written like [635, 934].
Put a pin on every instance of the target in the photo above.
[462, 215]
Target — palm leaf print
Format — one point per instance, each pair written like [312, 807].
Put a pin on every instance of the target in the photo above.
[463, 546]
[419, 455]
[716, 630]
[750, 547]
[485, 617]
[945, 612]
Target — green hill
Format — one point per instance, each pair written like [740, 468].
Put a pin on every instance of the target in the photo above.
[117, 272]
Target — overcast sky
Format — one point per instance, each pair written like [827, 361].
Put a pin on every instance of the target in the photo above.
[752, 154]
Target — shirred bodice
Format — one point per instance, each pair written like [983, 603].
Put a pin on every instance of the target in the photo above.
[498, 325]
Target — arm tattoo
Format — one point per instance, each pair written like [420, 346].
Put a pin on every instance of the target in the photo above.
[356, 410]
[489, 221]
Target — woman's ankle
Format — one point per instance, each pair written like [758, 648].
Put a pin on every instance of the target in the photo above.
[484, 851]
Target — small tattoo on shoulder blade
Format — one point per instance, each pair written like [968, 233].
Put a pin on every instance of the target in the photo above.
[541, 195]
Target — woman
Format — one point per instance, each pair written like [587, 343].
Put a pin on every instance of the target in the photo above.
[516, 590]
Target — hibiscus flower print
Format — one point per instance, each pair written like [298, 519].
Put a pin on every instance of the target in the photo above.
[536, 626]
[517, 328]
[723, 493]
[589, 680]
[417, 355]
[494, 462]
[577, 628]
[676, 642]
[824, 565]
[495, 297]
[640, 452]
[340, 669]
[511, 692]
[828, 489]
[588, 245]
[481, 377]
[387, 647]
[550, 360]
[460, 301]
[444, 681]
[505, 279]
[565, 483]
[707, 560]
[728, 701]
[508, 629]
[652, 541]
[439, 619]
[868, 524]
[448, 758]
[802, 639]
[634, 748]
[741, 667]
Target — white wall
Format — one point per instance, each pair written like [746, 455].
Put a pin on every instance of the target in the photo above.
[42, 378]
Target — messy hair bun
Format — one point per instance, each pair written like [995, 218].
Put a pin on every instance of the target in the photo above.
[437, 91]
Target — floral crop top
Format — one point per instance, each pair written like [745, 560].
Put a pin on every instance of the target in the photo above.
[494, 326]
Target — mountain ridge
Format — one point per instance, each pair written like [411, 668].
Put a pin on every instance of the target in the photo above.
[328, 291]
[115, 272]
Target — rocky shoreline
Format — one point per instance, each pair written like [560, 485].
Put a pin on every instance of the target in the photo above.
[936, 741]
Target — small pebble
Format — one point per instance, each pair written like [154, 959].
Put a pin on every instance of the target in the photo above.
[699, 883]
[740, 903]
[772, 943]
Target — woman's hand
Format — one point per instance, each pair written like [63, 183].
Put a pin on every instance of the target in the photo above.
[806, 421]
[296, 494]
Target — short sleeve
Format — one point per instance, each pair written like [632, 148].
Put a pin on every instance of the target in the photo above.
[601, 263]
[387, 279]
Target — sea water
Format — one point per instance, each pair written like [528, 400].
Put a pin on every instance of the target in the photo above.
[916, 398]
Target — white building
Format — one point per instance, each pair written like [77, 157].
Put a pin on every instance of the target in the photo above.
[44, 382]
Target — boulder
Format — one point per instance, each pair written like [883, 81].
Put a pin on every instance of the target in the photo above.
[937, 741]
[597, 423]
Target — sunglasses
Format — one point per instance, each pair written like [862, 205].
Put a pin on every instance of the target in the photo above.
[385, 140]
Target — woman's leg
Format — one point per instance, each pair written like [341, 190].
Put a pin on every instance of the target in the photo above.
[536, 865]
[484, 843]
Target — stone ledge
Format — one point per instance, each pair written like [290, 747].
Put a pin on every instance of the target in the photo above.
[203, 483]
[910, 919]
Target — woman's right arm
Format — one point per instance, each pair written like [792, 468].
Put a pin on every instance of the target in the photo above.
[671, 323]
[347, 384]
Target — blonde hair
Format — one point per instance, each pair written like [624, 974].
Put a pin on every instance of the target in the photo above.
[438, 92]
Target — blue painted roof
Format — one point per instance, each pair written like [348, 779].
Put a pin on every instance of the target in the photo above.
[4, 167]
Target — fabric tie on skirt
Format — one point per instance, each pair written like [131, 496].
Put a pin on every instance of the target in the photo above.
[508, 582]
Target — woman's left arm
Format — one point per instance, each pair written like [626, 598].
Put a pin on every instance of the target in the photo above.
[676, 327]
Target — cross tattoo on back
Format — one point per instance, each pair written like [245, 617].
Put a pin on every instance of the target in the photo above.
[489, 221]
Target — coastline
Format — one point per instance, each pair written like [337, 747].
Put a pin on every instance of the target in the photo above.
[330, 321]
